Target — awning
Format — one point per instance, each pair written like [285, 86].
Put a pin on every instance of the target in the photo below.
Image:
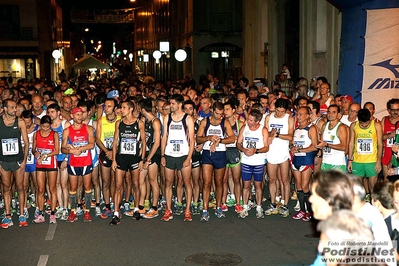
[89, 61]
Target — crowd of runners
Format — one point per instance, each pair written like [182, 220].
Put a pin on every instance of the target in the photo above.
[181, 149]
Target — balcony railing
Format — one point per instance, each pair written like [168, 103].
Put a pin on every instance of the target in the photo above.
[10, 33]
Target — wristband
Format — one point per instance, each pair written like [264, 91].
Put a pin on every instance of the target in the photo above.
[350, 160]
[277, 134]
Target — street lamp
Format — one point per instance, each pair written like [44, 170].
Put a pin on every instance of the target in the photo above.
[56, 55]
[157, 55]
[180, 55]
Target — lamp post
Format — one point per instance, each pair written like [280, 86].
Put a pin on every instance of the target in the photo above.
[56, 55]
[146, 59]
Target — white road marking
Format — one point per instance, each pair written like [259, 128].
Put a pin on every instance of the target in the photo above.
[51, 232]
[43, 260]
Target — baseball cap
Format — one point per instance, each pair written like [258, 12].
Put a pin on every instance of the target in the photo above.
[76, 110]
[347, 97]
[112, 94]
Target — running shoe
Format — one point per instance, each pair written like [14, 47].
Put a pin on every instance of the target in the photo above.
[126, 207]
[87, 217]
[244, 213]
[22, 221]
[64, 215]
[238, 208]
[205, 216]
[53, 220]
[195, 209]
[146, 205]
[212, 203]
[284, 212]
[151, 214]
[36, 211]
[72, 217]
[6, 222]
[1, 203]
[187, 216]
[260, 213]
[26, 213]
[137, 216]
[107, 213]
[251, 204]
[58, 213]
[299, 215]
[307, 217]
[297, 207]
[219, 213]
[178, 209]
[294, 195]
[115, 220]
[271, 210]
[224, 208]
[129, 213]
[167, 216]
[231, 202]
[367, 198]
[79, 211]
[92, 205]
[39, 219]
[98, 211]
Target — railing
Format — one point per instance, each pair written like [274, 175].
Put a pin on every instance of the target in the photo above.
[9, 33]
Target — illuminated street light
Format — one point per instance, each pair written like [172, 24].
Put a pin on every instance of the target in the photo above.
[124, 51]
[157, 55]
[131, 57]
[180, 55]
[164, 47]
[146, 58]
[56, 55]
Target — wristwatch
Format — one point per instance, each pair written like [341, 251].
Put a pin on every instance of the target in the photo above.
[257, 151]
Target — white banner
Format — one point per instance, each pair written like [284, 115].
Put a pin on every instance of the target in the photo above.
[381, 59]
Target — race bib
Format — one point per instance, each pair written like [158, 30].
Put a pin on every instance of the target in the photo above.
[10, 146]
[30, 159]
[108, 143]
[81, 144]
[390, 142]
[299, 145]
[45, 161]
[128, 146]
[364, 146]
[176, 146]
[250, 142]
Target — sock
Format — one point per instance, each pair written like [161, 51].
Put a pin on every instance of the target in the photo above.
[306, 201]
[108, 206]
[141, 207]
[245, 206]
[88, 200]
[203, 211]
[282, 202]
[72, 198]
[116, 214]
[232, 196]
[97, 204]
[52, 212]
[301, 198]
[258, 207]
[155, 208]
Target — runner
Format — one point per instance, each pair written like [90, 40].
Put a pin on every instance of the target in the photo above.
[46, 147]
[252, 142]
[127, 157]
[177, 146]
[77, 142]
[214, 132]
[13, 160]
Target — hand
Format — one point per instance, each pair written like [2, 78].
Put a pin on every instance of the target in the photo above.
[395, 148]
[377, 167]
[64, 165]
[114, 165]
[198, 148]
[349, 167]
[22, 165]
[108, 154]
[163, 161]
[186, 163]
[321, 145]
[249, 152]
[141, 163]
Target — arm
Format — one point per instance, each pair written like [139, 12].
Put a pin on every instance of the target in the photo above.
[290, 134]
[265, 134]
[229, 132]
[201, 132]
[24, 134]
[380, 147]
[143, 139]
[115, 145]
[190, 126]
[99, 143]
[90, 144]
[156, 125]
[163, 140]
[64, 146]
[351, 145]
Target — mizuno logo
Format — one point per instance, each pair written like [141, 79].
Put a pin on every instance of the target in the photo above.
[387, 64]
[384, 82]
[15, 127]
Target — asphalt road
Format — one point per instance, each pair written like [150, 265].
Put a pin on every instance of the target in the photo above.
[270, 241]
